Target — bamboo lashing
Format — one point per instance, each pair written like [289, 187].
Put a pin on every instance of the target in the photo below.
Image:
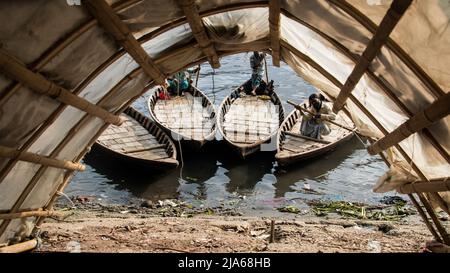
[434, 112]
[298, 107]
[113, 25]
[390, 20]
[8, 152]
[274, 24]
[198, 30]
[16, 70]
[20, 247]
[36, 213]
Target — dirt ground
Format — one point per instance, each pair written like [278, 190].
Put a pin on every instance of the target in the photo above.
[136, 231]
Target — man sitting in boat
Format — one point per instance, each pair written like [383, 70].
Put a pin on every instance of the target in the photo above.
[315, 126]
[256, 85]
[180, 82]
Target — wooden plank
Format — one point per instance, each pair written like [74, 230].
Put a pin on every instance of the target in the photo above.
[145, 149]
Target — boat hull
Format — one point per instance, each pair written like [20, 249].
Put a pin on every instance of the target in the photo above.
[286, 157]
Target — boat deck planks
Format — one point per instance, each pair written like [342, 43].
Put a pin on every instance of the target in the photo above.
[141, 140]
[191, 117]
[131, 136]
[184, 115]
[250, 119]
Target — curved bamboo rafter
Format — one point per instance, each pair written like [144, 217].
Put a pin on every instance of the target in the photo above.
[83, 121]
[198, 30]
[16, 70]
[274, 28]
[387, 90]
[79, 125]
[60, 45]
[119, 30]
[392, 45]
[434, 112]
[387, 25]
[380, 127]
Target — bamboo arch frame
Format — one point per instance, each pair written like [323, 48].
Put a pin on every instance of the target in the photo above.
[344, 6]
[124, 4]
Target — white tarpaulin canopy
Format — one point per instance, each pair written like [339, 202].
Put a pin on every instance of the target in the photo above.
[73, 47]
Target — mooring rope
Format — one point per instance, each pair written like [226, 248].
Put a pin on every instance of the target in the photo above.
[67, 197]
[181, 158]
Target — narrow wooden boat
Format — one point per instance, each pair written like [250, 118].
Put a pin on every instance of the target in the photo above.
[139, 141]
[250, 123]
[189, 119]
[293, 147]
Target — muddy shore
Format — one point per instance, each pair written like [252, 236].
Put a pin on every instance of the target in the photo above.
[169, 227]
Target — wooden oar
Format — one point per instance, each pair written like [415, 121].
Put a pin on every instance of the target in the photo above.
[198, 74]
[307, 138]
[298, 107]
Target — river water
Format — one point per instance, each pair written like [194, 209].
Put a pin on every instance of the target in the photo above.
[217, 177]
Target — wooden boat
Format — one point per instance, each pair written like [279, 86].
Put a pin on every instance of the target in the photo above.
[293, 147]
[189, 119]
[247, 122]
[139, 141]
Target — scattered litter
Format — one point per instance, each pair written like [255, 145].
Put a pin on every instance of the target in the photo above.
[374, 247]
[289, 208]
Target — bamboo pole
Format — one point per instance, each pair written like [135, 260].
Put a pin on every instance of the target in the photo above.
[40, 159]
[36, 213]
[113, 25]
[365, 21]
[274, 24]
[433, 216]
[198, 30]
[69, 175]
[60, 45]
[332, 79]
[20, 247]
[425, 186]
[387, 90]
[422, 214]
[390, 20]
[434, 112]
[15, 69]
[69, 136]
[298, 107]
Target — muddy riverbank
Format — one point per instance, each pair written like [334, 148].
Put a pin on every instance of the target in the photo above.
[167, 226]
